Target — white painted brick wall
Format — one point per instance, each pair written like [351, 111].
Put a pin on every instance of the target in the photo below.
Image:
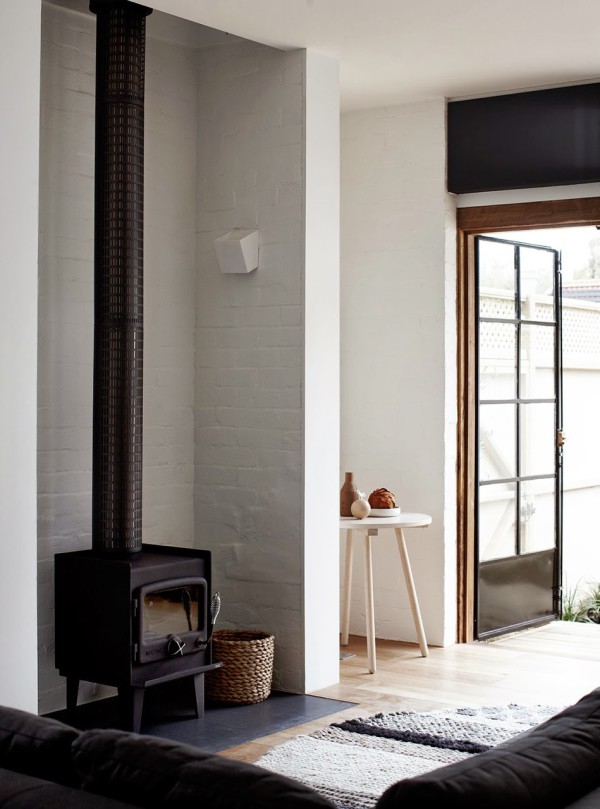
[65, 313]
[66, 304]
[249, 343]
[170, 283]
[223, 388]
[398, 352]
[20, 28]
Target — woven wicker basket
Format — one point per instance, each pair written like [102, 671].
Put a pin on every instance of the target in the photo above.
[247, 670]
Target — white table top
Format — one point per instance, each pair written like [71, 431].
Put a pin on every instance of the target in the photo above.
[406, 519]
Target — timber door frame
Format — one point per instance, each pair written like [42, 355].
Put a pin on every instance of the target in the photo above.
[470, 223]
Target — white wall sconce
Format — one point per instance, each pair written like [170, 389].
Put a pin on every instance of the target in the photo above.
[237, 251]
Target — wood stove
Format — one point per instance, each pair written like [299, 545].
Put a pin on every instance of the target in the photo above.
[133, 621]
[129, 615]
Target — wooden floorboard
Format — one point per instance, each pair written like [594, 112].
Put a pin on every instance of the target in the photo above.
[555, 665]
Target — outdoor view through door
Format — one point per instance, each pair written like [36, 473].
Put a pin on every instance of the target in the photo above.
[518, 426]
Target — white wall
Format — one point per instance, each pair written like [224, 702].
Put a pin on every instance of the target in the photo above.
[19, 162]
[398, 399]
[321, 370]
[66, 303]
[65, 352]
[170, 289]
[254, 423]
[515, 195]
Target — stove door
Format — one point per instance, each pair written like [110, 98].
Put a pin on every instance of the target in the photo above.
[171, 618]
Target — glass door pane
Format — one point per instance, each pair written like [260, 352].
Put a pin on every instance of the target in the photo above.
[497, 521]
[537, 362]
[497, 279]
[536, 281]
[537, 439]
[497, 441]
[537, 515]
[497, 360]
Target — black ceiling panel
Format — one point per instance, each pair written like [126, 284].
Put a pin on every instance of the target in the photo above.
[525, 140]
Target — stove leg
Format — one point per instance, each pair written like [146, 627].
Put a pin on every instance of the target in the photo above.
[199, 694]
[72, 691]
[132, 705]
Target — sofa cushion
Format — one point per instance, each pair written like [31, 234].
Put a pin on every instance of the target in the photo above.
[550, 766]
[589, 801]
[19, 791]
[36, 746]
[151, 772]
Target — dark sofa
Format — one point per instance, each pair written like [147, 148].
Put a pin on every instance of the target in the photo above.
[44, 763]
[48, 765]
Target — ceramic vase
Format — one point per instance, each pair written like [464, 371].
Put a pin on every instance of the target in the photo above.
[348, 494]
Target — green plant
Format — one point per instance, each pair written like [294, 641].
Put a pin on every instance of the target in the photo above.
[585, 608]
[590, 606]
[570, 608]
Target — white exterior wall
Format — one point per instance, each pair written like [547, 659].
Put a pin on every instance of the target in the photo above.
[66, 304]
[254, 421]
[19, 164]
[581, 473]
[398, 392]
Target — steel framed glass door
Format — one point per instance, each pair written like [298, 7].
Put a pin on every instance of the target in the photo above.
[519, 438]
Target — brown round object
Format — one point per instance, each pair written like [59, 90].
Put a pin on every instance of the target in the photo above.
[382, 498]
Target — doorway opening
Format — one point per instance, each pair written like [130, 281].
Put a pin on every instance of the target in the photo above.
[519, 492]
[517, 421]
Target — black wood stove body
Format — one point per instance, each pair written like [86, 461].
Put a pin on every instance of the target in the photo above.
[128, 615]
[133, 622]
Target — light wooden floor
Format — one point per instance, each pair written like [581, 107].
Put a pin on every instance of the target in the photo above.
[554, 665]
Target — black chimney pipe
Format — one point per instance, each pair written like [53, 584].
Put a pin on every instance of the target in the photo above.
[118, 277]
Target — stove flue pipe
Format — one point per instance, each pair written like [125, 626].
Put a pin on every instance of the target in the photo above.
[118, 277]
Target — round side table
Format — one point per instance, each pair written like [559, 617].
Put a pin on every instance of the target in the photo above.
[371, 526]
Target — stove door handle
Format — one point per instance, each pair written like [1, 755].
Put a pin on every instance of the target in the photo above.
[175, 646]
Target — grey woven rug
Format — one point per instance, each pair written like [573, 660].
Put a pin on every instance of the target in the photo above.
[353, 762]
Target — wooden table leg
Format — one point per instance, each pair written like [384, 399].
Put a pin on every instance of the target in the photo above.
[370, 606]
[347, 588]
[412, 593]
